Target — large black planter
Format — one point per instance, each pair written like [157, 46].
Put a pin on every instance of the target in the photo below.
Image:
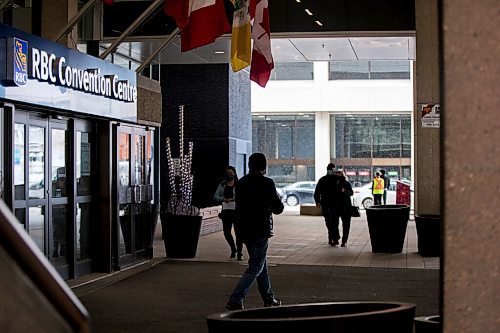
[338, 317]
[429, 235]
[430, 324]
[180, 234]
[387, 227]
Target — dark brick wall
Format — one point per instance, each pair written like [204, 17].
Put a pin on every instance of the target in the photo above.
[205, 91]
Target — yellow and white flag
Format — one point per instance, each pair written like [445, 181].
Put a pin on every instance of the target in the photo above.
[241, 50]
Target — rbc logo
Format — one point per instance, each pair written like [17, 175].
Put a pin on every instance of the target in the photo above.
[20, 62]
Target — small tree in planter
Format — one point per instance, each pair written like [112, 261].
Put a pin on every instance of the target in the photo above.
[181, 221]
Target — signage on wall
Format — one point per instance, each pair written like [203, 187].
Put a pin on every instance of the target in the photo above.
[43, 73]
[53, 69]
[430, 115]
[17, 70]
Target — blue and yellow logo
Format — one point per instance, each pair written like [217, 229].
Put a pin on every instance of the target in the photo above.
[20, 62]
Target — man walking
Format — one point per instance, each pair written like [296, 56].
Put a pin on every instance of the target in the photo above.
[325, 196]
[387, 182]
[256, 200]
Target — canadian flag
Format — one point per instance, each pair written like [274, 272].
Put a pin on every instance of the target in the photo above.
[200, 21]
[262, 58]
[108, 2]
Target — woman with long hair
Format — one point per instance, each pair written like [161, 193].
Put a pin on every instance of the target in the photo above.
[225, 196]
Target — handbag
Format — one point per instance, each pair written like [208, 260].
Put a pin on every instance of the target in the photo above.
[355, 209]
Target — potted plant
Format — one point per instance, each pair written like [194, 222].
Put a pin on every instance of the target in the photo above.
[387, 227]
[429, 234]
[180, 220]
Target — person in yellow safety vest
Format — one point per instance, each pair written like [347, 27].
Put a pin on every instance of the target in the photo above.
[377, 189]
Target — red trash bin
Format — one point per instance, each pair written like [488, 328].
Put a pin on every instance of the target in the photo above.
[402, 193]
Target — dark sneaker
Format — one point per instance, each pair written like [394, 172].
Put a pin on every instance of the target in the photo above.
[240, 257]
[335, 243]
[343, 244]
[273, 302]
[231, 306]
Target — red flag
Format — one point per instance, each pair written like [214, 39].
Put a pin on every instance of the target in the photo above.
[108, 2]
[200, 21]
[262, 58]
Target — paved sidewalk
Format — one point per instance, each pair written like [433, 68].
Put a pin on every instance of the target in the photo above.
[166, 295]
[302, 240]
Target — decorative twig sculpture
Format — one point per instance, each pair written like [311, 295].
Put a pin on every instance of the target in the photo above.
[180, 178]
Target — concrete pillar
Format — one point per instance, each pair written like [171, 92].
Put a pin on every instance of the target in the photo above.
[321, 143]
[471, 165]
[427, 90]
[55, 14]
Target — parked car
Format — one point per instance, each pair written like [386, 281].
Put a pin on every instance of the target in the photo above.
[299, 193]
[363, 195]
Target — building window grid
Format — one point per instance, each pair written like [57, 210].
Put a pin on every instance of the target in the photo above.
[279, 137]
[369, 70]
[345, 141]
[364, 135]
[303, 71]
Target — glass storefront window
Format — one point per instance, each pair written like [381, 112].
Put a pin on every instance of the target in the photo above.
[357, 140]
[371, 136]
[288, 143]
[387, 137]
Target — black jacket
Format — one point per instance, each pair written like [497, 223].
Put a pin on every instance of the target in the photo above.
[256, 200]
[326, 191]
[329, 194]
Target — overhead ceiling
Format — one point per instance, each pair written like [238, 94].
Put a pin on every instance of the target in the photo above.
[284, 50]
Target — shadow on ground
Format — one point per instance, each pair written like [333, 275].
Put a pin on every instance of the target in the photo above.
[176, 296]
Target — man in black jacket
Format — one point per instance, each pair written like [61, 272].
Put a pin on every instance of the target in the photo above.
[387, 183]
[325, 196]
[256, 200]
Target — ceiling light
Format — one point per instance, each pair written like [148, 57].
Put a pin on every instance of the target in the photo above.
[298, 1]
[308, 12]
[219, 52]
[319, 23]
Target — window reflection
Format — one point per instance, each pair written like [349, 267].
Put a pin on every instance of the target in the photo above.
[83, 231]
[59, 160]
[124, 159]
[36, 226]
[58, 247]
[19, 182]
[139, 159]
[36, 169]
[83, 163]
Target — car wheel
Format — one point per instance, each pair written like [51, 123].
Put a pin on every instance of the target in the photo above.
[367, 203]
[292, 200]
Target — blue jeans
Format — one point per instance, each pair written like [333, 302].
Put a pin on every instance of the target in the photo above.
[257, 270]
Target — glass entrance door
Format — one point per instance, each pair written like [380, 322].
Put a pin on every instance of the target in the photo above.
[134, 195]
[51, 172]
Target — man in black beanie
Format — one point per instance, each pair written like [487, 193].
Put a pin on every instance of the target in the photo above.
[256, 200]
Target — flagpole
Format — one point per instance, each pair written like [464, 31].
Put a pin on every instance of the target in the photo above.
[74, 20]
[131, 28]
[157, 51]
